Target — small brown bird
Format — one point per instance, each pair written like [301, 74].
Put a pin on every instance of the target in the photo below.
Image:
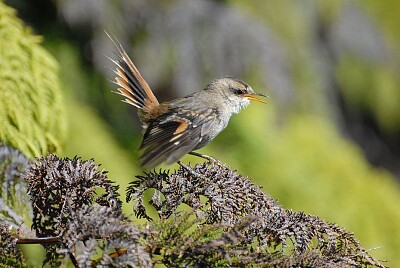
[175, 128]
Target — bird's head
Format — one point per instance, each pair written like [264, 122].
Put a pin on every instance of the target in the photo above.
[235, 93]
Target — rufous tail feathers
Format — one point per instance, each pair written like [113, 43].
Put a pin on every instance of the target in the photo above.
[130, 82]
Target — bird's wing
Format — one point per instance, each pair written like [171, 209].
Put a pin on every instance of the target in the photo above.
[174, 134]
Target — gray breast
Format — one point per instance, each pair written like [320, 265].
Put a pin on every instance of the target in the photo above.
[210, 130]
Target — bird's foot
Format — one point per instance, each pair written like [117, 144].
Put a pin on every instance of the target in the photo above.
[210, 159]
[191, 171]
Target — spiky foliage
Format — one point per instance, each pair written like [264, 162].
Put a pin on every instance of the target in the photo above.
[105, 229]
[10, 255]
[268, 234]
[228, 221]
[15, 207]
[58, 188]
[31, 107]
[13, 199]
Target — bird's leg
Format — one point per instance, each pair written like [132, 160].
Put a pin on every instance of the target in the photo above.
[210, 159]
[191, 171]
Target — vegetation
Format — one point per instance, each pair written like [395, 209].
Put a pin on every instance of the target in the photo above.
[228, 222]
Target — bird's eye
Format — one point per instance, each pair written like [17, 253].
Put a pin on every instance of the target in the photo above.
[239, 91]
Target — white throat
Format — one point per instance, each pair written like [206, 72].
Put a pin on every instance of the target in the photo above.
[236, 104]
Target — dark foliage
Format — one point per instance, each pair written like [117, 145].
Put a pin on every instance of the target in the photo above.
[10, 255]
[59, 188]
[105, 229]
[268, 234]
[209, 216]
[230, 196]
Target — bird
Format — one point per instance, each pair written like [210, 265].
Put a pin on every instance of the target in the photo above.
[181, 126]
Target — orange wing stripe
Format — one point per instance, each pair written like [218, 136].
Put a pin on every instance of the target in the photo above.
[182, 127]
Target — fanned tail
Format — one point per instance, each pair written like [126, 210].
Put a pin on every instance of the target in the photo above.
[130, 82]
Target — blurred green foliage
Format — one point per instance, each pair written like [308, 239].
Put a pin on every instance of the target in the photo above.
[372, 88]
[385, 13]
[32, 115]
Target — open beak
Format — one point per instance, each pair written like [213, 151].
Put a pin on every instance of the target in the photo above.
[251, 96]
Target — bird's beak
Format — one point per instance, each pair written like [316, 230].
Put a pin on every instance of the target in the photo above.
[251, 96]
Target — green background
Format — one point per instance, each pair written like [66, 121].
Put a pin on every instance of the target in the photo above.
[55, 97]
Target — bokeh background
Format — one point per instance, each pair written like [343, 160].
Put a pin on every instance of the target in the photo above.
[327, 143]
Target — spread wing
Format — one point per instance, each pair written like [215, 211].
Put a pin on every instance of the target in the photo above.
[174, 134]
